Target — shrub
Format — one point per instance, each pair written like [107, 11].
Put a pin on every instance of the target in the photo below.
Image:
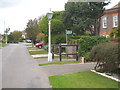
[106, 56]
[56, 39]
[87, 42]
[115, 32]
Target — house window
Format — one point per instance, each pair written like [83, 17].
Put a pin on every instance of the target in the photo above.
[104, 22]
[115, 21]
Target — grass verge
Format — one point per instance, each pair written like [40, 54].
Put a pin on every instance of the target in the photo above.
[57, 62]
[28, 44]
[3, 44]
[63, 57]
[37, 52]
[86, 79]
[33, 48]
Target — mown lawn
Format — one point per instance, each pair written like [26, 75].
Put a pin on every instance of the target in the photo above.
[58, 62]
[3, 44]
[86, 79]
[33, 48]
[37, 52]
[63, 57]
[28, 44]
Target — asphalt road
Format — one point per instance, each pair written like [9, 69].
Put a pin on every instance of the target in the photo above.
[19, 70]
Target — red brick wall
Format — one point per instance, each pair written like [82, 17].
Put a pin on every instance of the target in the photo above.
[109, 14]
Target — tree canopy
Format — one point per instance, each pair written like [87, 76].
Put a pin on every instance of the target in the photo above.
[15, 36]
[57, 24]
[83, 16]
[32, 29]
[58, 28]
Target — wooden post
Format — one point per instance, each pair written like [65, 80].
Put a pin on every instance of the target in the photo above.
[53, 52]
[76, 53]
[60, 53]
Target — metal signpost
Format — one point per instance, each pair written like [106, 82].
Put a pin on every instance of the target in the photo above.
[68, 32]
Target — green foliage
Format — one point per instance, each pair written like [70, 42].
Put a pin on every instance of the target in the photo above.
[56, 39]
[87, 42]
[15, 36]
[57, 24]
[82, 16]
[43, 24]
[32, 29]
[115, 32]
[58, 28]
[45, 39]
[107, 57]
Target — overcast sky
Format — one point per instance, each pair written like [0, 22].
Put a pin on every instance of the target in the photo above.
[16, 13]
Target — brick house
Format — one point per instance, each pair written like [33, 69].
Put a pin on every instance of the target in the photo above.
[109, 20]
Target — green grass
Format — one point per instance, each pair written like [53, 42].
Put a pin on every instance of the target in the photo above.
[33, 48]
[3, 44]
[37, 52]
[28, 44]
[63, 57]
[86, 79]
[57, 62]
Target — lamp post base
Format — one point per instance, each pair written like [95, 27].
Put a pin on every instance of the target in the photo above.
[49, 57]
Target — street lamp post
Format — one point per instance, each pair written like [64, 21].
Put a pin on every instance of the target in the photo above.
[49, 15]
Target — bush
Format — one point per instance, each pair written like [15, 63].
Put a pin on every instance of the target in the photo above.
[56, 39]
[106, 56]
[87, 42]
[115, 32]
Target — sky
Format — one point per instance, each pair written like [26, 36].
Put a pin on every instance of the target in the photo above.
[16, 13]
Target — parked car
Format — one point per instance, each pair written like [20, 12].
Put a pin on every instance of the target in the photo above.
[39, 45]
[28, 41]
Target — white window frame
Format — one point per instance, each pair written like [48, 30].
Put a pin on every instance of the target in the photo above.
[104, 22]
[115, 20]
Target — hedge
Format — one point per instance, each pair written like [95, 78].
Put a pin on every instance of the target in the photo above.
[107, 57]
[87, 42]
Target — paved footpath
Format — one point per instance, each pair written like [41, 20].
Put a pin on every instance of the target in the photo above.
[52, 70]
[19, 70]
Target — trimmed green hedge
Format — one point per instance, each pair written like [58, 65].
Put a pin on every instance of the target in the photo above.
[107, 57]
[86, 43]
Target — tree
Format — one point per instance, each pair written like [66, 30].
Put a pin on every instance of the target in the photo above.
[40, 37]
[58, 27]
[15, 36]
[32, 29]
[83, 16]
[57, 24]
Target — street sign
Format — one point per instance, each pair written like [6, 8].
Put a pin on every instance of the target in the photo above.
[68, 31]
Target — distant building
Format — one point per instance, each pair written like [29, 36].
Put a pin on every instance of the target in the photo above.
[109, 20]
[24, 35]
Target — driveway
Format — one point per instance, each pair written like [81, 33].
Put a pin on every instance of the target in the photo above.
[19, 70]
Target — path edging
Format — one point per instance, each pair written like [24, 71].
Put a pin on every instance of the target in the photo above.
[103, 74]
